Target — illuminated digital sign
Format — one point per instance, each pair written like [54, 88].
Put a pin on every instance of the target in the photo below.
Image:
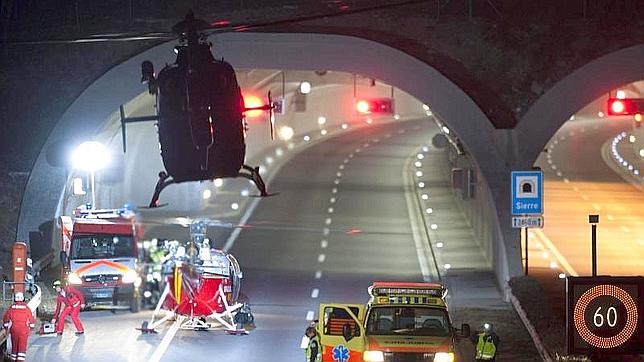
[605, 315]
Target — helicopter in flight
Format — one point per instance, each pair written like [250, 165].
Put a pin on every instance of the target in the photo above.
[200, 114]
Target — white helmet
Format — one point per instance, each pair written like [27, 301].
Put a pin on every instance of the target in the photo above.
[19, 297]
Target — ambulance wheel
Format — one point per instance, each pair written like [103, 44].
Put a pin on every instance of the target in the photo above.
[135, 305]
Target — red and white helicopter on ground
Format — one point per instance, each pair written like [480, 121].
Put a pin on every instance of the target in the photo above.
[202, 287]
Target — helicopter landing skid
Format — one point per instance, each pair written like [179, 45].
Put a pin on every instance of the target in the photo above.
[162, 183]
[254, 176]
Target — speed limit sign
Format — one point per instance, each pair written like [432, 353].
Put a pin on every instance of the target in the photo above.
[605, 315]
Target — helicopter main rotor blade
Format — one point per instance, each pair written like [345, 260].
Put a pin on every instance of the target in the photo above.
[214, 28]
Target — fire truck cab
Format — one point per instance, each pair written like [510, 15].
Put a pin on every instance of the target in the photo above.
[99, 256]
[401, 322]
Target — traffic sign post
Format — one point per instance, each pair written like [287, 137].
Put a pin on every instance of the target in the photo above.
[593, 220]
[527, 203]
[604, 315]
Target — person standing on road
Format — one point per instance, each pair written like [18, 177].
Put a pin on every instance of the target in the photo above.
[19, 321]
[69, 302]
[313, 348]
[486, 342]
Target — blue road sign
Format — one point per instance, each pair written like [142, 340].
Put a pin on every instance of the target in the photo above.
[527, 193]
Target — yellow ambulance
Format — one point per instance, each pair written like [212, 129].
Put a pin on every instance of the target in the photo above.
[402, 322]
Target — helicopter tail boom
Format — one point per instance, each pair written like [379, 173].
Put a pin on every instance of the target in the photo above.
[125, 120]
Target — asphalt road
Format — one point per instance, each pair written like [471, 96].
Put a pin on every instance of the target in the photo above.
[339, 223]
[578, 182]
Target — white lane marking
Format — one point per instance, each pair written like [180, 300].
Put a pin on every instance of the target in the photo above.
[328, 221]
[559, 173]
[338, 174]
[309, 315]
[553, 167]
[358, 150]
[336, 182]
[315, 293]
[318, 274]
[341, 167]
[421, 251]
[346, 160]
[566, 180]
[585, 197]
[335, 190]
[625, 229]
[575, 188]
[596, 207]
[351, 155]
[326, 231]
[321, 258]
[332, 200]
[324, 244]
[165, 343]
[365, 145]
[610, 217]
[562, 261]
[330, 210]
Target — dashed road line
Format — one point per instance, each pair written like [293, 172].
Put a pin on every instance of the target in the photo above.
[315, 293]
[321, 258]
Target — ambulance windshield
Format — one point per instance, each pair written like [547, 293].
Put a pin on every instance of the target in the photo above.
[102, 246]
[408, 320]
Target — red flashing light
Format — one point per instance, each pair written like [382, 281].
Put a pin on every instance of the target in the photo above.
[625, 106]
[617, 106]
[363, 107]
[375, 105]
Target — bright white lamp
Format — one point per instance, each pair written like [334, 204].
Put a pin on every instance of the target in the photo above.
[91, 156]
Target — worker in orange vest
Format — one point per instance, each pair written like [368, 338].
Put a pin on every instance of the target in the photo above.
[69, 302]
[19, 320]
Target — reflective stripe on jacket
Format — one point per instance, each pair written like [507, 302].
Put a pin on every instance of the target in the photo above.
[485, 348]
[313, 347]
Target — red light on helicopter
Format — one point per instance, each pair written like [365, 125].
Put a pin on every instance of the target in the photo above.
[252, 102]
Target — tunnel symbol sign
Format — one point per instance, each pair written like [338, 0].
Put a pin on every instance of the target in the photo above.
[527, 193]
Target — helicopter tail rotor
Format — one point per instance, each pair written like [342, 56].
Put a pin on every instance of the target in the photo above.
[271, 115]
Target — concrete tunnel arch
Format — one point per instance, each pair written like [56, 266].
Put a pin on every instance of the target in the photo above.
[43, 193]
[571, 94]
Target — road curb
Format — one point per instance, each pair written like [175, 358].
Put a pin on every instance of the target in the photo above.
[543, 352]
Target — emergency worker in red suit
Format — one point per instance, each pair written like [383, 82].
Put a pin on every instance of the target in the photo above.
[69, 302]
[19, 320]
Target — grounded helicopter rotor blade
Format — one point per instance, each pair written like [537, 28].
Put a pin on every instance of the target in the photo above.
[214, 28]
[264, 226]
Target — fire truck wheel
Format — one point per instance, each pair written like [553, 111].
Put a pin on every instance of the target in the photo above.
[135, 304]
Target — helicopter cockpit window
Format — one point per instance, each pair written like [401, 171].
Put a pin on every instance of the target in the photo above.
[217, 265]
[102, 246]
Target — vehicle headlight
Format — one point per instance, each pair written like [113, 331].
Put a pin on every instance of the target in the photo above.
[73, 278]
[444, 357]
[129, 277]
[373, 356]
